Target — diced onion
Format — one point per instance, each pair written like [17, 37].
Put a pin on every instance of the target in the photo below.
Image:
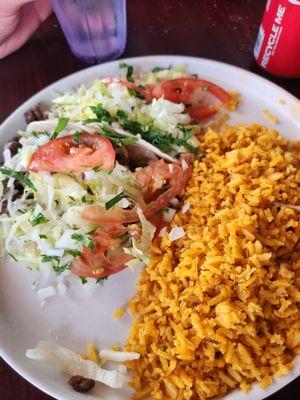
[46, 292]
[162, 231]
[176, 233]
[168, 216]
[185, 207]
[119, 356]
[294, 207]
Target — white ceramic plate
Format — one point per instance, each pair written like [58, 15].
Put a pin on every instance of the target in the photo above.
[85, 314]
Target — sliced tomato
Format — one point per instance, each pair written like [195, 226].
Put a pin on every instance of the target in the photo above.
[197, 94]
[107, 256]
[158, 221]
[143, 92]
[155, 196]
[64, 154]
[200, 112]
[152, 178]
[100, 215]
[186, 160]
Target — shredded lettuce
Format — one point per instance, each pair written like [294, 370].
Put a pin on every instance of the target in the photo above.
[40, 222]
[140, 249]
[167, 115]
[43, 222]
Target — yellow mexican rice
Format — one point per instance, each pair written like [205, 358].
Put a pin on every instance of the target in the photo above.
[217, 309]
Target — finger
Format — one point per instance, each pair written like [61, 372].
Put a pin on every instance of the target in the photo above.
[9, 7]
[43, 8]
[29, 21]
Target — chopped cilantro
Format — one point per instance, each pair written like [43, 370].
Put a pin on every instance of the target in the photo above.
[158, 69]
[195, 76]
[129, 125]
[149, 132]
[117, 139]
[55, 262]
[165, 347]
[122, 114]
[19, 176]
[87, 200]
[109, 204]
[76, 137]
[43, 237]
[62, 123]
[98, 167]
[83, 280]
[189, 147]
[129, 71]
[50, 259]
[163, 211]
[187, 132]
[73, 252]
[159, 138]
[36, 134]
[136, 93]
[60, 268]
[13, 257]
[99, 280]
[83, 239]
[101, 115]
[39, 219]
[89, 121]
[72, 198]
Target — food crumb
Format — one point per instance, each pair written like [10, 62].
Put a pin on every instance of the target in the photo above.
[245, 387]
[84, 356]
[271, 118]
[219, 122]
[116, 347]
[266, 381]
[81, 384]
[117, 314]
[281, 101]
[234, 102]
[93, 353]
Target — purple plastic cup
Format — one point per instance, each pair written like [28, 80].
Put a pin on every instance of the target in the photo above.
[94, 29]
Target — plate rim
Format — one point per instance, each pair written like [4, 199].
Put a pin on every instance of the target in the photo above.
[277, 384]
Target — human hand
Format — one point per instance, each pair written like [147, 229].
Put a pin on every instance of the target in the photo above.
[18, 21]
